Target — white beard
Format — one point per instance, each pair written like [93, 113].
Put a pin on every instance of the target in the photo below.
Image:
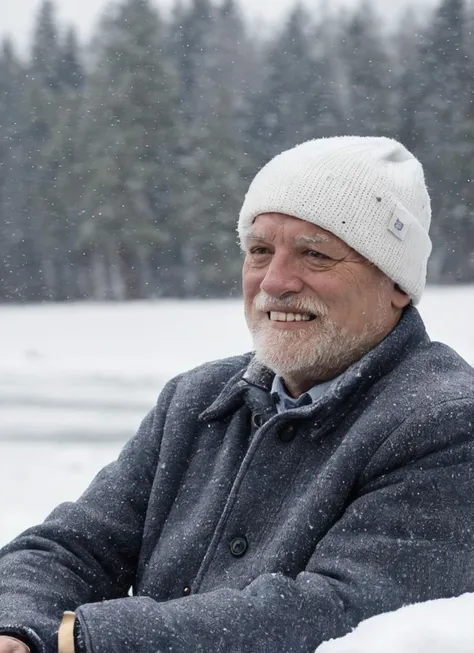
[319, 351]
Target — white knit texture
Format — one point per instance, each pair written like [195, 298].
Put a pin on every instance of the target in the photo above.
[368, 191]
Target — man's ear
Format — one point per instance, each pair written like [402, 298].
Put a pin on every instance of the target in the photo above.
[400, 299]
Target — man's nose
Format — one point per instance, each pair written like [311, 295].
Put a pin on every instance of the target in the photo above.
[281, 277]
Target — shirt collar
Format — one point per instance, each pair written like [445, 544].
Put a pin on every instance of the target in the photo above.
[284, 401]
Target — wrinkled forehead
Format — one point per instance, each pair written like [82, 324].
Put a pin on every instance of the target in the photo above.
[270, 227]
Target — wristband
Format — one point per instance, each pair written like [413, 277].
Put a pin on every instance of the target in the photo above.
[66, 633]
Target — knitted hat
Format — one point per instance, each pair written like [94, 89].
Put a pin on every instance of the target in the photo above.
[368, 191]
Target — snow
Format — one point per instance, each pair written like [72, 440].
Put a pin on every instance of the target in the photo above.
[76, 379]
[38, 476]
[91, 371]
[443, 626]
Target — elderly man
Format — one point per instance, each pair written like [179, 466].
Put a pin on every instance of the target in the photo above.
[273, 501]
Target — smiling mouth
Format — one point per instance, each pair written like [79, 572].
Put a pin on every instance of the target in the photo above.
[276, 316]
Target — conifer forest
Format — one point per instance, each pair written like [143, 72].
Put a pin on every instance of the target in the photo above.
[124, 161]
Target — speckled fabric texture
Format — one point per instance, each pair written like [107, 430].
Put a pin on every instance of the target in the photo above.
[246, 531]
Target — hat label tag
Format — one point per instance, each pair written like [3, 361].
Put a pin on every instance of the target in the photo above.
[399, 223]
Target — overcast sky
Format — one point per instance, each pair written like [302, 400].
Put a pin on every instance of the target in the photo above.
[16, 16]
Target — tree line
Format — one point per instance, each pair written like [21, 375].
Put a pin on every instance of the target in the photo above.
[124, 161]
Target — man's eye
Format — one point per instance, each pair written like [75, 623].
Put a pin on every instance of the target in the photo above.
[259, 251]
[318, 256]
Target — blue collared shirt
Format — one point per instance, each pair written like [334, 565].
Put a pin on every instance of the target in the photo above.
[283, 401]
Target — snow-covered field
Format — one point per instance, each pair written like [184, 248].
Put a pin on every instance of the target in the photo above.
[443, 626]
[75, 381]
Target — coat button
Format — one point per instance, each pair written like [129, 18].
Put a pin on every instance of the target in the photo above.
[238, 546]
[186, 591]
[287, 434]
[258, 420]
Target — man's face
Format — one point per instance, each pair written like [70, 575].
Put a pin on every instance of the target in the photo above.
[313, 305]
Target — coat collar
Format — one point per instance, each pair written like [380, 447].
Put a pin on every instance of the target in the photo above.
[257, 379]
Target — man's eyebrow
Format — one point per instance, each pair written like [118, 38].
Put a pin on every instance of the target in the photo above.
[306, 240]
[255, 235]
[312, 240]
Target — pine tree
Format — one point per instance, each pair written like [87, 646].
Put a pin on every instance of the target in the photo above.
[15, 263]
[370, 106]
[214, 170]
[407, 62]
[70, 69]
[445, 79]
[46, 50]
[442, 74]
[130, 136]
[189, 45]
[453, 257]
[46, 105]
[300, 96]
[213, 163]
[232, 60]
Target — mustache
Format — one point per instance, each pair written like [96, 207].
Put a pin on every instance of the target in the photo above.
[265, 303]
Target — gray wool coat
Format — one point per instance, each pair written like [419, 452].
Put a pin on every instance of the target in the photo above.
[246, 531]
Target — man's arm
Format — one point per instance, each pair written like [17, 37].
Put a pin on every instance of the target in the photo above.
[85, 551]
[407, 536]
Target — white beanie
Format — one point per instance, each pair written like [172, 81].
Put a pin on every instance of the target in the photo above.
[368, 191]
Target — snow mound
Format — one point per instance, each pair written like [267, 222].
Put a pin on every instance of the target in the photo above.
[442, 626]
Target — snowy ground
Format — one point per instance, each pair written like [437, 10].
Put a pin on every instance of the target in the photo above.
[75, 381]
[443, 626]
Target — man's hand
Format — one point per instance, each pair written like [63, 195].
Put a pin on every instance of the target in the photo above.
[12, 645]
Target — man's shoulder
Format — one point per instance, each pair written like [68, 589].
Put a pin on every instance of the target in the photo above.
[209, 379]
[436, 374]
[220, 370]
[425, 405]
